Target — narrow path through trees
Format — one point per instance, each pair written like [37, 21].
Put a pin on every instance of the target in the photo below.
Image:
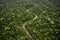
[24, 27]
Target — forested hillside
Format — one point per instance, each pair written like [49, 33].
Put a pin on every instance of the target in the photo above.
[29, 19]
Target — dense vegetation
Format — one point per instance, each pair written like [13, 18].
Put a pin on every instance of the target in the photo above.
[14, 13]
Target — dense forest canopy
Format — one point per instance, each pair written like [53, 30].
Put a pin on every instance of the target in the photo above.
[41, 19]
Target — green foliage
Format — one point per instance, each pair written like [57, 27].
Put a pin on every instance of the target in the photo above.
[14, 13]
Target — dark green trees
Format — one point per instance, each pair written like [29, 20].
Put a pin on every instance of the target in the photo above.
[14, 13]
